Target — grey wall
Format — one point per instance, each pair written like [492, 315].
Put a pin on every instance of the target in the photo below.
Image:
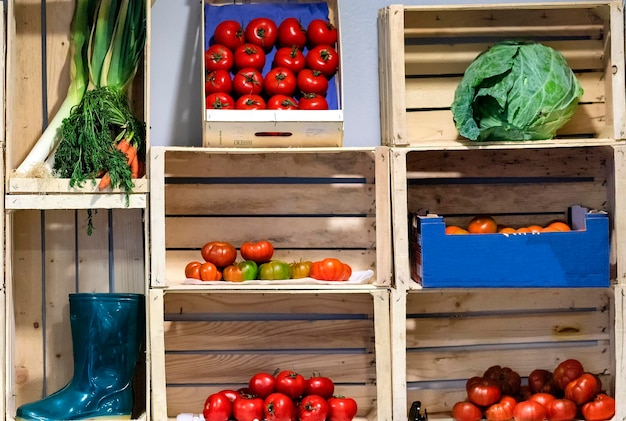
[175, 85]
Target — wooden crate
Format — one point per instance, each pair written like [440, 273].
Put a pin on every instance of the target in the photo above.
[310, 203]
[518, 187]
[444, 337]
[274, 128]
[48, 256]
[39, 74]
[425, 50]
[203, 342]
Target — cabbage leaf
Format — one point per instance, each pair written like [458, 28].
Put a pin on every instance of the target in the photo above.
[515, 90]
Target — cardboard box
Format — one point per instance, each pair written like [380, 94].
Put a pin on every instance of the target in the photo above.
[578, 258]
[273, 128]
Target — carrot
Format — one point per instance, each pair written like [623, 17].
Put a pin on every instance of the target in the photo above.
[134, 167]
[105, 181]
[124, 146]
[131, 154]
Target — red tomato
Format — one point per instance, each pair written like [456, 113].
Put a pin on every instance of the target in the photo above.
[289, 57]
[561, 410]
[218, 81]
[262, 384]
[291, 383]
[217, 57]
[220, 253]
[567, 371]
[321, 32]
[248, 81]
[319, 385]
[583, 389]
[279, 81]
[501, 411]
[248, 408]
[600, 409]
[529, 411]
[250, 102]
[540, 380]
[279, 407]
[323, 58]
[262, 32]
[508, 380]
[312, 408]
[229, 33]
[217, 407]
[542, 398]
[482, 224]
[232, 394]
[483, 392]
[291, 33]
[312, 82]
[259, 252]
[313, 102]
[341, 408]
[466, 411]
[209, 272]
[330, 269]
[249, 55]
[192, 270]
[220, 100]
[282, 102]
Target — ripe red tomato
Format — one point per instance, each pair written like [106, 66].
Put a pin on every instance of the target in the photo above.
[312, 408]
[319, 385]
[229, 33]
[583, 389]
[249, 55]
[289, 57]
[312, 82]
[250, 102]
[321, 32]
[279, 81]
[248, 81]
[218, 81]
[262, 384]
[529, 411]
[209, 272]
[291, 33]
[502, 410]
[313, 102]
[330, 269]
[259, 252]
[248, 408]
[279, 407]
[561, 410]
[567, 371]
[231, 394]
[282, 102]
[483, 392]
[508, 380]
[542, 398]
[540, 380]
[220, 253]
[262, 32]
[341, 408]
[217, 407]
[192, 270]
[220, 100]
[466, 411]
[323, 58]
[291, 383]
[600, 409]
[482, 224]
[217, 57]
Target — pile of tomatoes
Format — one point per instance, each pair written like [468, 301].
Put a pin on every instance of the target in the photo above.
[485, 224]
[565, 394]
[304, 61]
[282, 396]
[220, 264]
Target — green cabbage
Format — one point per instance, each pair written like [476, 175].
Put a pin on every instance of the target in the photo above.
[515, 91]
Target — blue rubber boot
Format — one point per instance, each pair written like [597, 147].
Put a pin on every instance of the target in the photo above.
[107, 334]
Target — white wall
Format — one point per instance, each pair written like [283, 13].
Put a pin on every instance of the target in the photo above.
[175, 91]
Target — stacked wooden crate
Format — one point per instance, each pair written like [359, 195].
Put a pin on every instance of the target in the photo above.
[443, 336]
[48, 251]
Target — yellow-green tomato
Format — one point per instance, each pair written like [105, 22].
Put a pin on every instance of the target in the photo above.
[300, 269]
[275, 270]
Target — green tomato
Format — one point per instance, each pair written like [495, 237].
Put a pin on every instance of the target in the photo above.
[249, 270]
[275, 270]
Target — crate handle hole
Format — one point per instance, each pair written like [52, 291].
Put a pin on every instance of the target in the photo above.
[273, 134]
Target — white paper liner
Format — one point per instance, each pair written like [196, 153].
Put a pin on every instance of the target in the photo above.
[357, 278]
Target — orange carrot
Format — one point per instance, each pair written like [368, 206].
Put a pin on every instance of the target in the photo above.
[123, 145]
[131, 153]
[105, 181]
[134, 167]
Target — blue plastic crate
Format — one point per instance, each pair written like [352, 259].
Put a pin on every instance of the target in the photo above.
[578, 258]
